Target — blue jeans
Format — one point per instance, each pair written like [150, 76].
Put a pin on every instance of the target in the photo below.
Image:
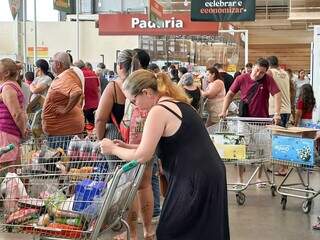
[156, 188]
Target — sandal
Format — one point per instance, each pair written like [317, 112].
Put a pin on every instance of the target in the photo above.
[316, 226]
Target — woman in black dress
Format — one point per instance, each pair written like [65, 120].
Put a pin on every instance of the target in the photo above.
[196, 205]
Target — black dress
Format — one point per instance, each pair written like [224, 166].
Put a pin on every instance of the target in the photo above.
[196, 203]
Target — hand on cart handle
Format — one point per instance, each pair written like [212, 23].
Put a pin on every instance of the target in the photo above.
[223, 115]
[277, 119]
[106, 146]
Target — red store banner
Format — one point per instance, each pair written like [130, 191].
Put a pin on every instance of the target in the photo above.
[138, 24]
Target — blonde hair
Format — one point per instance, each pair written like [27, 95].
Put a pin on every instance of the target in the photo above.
[12, 67]
[160, 83]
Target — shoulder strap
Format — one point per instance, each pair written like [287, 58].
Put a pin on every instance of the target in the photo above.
[169, 109]
[12, 85]
[253, 90]
[115, 92]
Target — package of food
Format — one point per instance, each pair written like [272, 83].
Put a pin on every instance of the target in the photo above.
[86, 190]
[70, 221]
[55, 230]
[22, 215]
[31, 202]
[14, 190]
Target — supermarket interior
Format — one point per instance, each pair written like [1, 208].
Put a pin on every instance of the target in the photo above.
[160, 119]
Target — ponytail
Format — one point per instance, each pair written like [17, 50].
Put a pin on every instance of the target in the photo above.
[160, 83]
[166, 87]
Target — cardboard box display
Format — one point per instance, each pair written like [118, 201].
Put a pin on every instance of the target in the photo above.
[230, 146]
[293, 131]
[295, 150]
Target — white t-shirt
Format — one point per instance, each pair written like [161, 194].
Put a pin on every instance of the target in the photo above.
[281, 78]
[45, 80]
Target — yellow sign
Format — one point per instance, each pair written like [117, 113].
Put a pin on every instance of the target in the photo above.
[42, 52]
[232, 68]
[231, 152]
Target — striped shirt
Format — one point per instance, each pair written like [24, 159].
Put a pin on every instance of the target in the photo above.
[7, 124]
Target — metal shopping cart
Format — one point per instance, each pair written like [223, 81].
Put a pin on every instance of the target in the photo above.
[244, 141]
[301, 155]
[66, 194]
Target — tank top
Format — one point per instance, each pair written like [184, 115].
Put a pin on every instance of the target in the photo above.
[7, 123]
[215, 104]
[195, 95]
[117, 108]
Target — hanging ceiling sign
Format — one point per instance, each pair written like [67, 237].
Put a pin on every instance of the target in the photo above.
[62, 5]
[14, 7]
[138, 24]
[223, 10]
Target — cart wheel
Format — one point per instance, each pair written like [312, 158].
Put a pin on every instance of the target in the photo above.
[241, 198]
[306, 206]
[117, 227]
[284, 202]
[273, 191]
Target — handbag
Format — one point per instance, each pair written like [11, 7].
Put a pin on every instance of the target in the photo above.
[244, 104]
[122, 129]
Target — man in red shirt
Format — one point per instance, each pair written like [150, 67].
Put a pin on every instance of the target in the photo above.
[258, 105]
[91, 92]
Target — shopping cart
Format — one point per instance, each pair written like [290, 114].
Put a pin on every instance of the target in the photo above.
[58, 194]
[301, 155]
[244, 141]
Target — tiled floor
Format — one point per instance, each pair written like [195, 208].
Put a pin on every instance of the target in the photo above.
[262, 217]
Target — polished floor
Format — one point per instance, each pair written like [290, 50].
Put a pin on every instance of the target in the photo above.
[261, 217]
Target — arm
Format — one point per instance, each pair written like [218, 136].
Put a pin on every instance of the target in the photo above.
[297, 117]
[277, 102]
[226, 102]
[212, 91]
[152, 132]
[73, 101]
[10, 99]
[38, 88]
[104, 111]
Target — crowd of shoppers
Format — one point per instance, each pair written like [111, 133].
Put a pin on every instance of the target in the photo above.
[144, 108]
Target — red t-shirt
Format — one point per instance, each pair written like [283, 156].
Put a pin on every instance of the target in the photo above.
[305, 114]
[259, 104]
[91, 89]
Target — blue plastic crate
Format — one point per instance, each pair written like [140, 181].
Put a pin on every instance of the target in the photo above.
[85, 192]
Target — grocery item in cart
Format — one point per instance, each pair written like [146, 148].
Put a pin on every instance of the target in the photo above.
[22, 215]
[14, 190]
[74, 148]
[86, 150]
[96, 151]
[85, 192]
[49, 157]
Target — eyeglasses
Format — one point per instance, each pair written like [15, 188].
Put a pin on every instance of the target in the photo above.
[133, 100]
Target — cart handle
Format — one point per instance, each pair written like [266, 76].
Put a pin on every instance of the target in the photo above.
[6, 149]
[130, 165]
[249, 119]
